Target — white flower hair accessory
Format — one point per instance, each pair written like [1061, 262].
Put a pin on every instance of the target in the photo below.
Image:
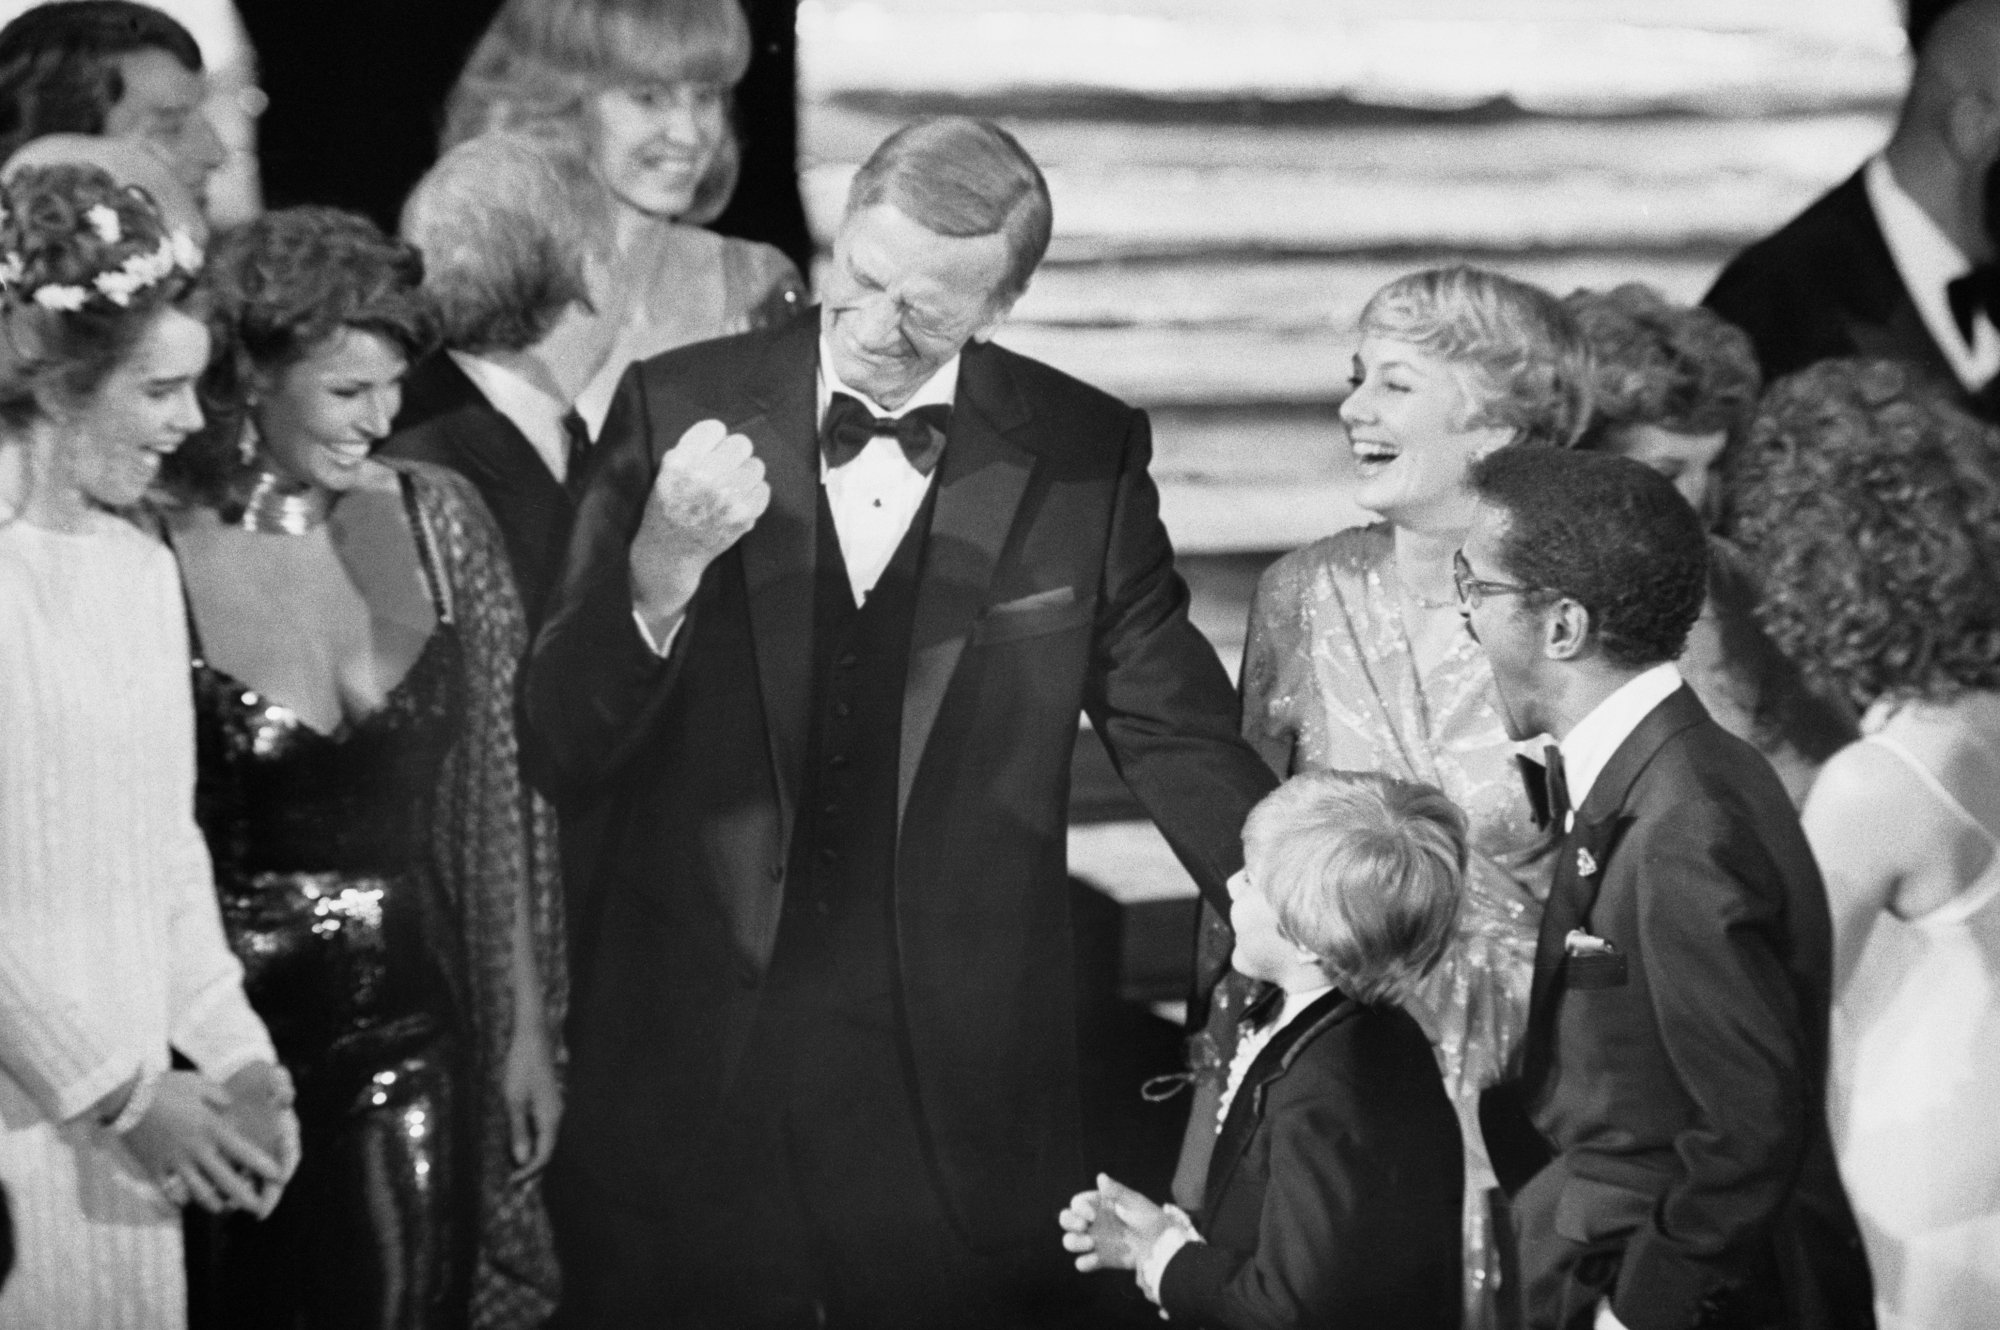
[176, 252]
[103, 219]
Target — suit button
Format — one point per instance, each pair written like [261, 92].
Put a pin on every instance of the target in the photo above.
[823, 908]
[829, 809]
[777, 872]
[842, 710]
[829, 855]
[847, 661]
[838, 761]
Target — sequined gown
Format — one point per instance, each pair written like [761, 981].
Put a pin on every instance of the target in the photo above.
[1328, 671]
[333, 857]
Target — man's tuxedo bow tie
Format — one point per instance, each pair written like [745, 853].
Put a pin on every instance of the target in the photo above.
[1548, 788]
[849, 426]
[1968, 295]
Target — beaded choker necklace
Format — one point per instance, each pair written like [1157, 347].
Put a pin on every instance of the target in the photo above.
[271, 507]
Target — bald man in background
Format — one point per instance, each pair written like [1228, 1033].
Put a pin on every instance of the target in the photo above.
[1897, 260]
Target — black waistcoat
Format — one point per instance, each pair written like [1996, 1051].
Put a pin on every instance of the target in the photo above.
[836, 951]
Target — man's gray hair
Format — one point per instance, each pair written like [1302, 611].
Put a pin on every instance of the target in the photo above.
[507, 222]
[960, 176]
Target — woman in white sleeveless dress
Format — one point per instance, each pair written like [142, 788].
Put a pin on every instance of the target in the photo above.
[1877, 519]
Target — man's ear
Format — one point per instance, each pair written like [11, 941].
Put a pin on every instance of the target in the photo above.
[1565, 630]
[1971, 126]
[997, 311]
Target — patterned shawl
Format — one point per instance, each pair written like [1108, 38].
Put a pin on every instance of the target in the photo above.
[494, 847]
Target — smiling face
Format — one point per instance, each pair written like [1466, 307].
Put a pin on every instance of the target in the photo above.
[142, 410]
[1405, 420]
[654, 142]
[161, 107]
[900, 300]
[320, 416]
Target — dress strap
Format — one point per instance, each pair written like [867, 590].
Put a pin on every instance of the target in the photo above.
[427, 550]
[1981, 889]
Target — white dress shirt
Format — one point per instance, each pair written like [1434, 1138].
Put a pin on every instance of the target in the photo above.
[1928, 261]
[537, 413]
[1610, 723]
[874, 496]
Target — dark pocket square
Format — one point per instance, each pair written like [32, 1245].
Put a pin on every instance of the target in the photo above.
[1603, 969]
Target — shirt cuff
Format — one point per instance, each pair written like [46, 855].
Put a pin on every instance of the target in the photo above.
[1154, 1267]
[660, 648]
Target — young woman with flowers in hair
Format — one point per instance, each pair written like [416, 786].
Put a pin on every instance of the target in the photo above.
[387, 880]
[111, 950]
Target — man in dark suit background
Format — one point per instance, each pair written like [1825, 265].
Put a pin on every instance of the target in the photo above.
[516, 234]
[1678, 1170]
[1895, 260]
[837, 594]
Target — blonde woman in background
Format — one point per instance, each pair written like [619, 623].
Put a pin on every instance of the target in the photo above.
[645, 87]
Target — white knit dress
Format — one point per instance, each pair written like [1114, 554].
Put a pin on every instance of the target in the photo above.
[111, 947]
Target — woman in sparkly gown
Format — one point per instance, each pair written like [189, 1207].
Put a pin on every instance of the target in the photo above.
[111, 952]
[1357, 658]
[387, 881]
[644, 87]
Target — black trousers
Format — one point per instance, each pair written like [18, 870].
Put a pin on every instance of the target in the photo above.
[818, 1206]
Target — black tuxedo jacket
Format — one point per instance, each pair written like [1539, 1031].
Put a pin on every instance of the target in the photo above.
[1047, 589]
[1334, 1194]
[1823, 286]
[446, 419]
[1680, 1076]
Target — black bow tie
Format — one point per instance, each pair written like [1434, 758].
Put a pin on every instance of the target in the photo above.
[1548, 788]
[1264, 1008]
[849, 426]
[1978, 290]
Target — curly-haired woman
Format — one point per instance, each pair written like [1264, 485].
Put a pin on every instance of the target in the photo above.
[644, 87]
[1675, 387]
[111, 951]
[1358, 659]
[387, 881]
[1875, 514]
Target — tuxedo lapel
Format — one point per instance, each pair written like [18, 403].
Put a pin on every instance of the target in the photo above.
[980, 483]
[1247, 1108]
[778, 551]
[1584, 860]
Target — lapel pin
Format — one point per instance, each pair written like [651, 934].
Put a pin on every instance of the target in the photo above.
[1585, 864]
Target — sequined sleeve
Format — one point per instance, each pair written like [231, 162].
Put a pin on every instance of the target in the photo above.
[1274, 658]
[495, 846]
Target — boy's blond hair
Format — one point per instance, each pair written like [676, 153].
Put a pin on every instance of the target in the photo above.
[1363, 870]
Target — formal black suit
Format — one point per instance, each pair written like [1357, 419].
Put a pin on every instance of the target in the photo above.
[1037, 583]
[1680, 1076]
[1334, 1193]
[1824, 286]
[446, 419]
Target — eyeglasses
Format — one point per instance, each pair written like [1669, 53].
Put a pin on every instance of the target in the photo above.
[1472, 590]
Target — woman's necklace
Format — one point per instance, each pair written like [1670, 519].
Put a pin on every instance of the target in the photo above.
[271, 507]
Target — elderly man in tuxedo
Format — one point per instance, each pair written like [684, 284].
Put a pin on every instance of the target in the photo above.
[1678, 1171]
[837, 595]
[1897, 260]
